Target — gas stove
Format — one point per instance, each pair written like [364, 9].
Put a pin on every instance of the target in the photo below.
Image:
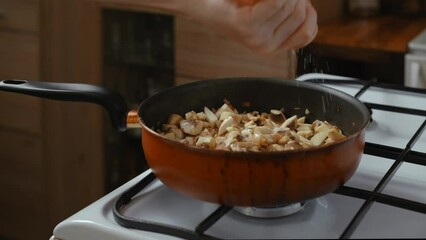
[385, 198]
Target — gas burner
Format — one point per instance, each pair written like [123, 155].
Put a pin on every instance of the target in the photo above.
[271, 212]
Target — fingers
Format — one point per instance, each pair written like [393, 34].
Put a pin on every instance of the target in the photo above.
[268, 26]
[266, 17]
[305, 33]
[296, 16]
[294, 25]
[282, 13]
[265, 9]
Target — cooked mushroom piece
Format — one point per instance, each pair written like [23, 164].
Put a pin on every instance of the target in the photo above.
[277, 116]
[210, 116]
[224, 108]
[226, 129]
[263, 130]
[319, 138]
[191, 127]
[290, 123]
[335, 134]
[207, 141]
[301, 120]
[226, 123]
[174, 119]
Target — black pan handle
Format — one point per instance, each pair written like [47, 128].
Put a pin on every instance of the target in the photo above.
[77, 92]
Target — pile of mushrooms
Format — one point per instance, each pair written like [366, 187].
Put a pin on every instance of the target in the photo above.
[226, 129]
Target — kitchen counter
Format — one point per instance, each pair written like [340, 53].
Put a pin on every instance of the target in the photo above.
[385, 33]
[365, 47]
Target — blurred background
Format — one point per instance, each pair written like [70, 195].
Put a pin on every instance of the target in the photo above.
[56, 157]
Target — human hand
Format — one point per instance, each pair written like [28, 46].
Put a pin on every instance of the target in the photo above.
[268, 26]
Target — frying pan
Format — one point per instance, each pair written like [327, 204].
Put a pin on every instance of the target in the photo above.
[257, 179]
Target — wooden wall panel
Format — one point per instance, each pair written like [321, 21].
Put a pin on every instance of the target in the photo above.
[23, 198]
[202, 54]
[19, 55]
[23, 195]
[19, 15]
[72, 132]
[20, 112]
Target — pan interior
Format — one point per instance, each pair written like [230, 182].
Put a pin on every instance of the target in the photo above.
[259, 94]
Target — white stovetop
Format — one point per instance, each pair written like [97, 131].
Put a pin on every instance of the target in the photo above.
[325, 217]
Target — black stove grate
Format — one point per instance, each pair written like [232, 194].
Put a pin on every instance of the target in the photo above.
[398, 155]
[162, 228]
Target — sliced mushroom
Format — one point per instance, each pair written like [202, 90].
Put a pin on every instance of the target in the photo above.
[253, 149]
[292, 145]
[274, 137]
[220, 142]
[226, 123]
[304, 127]
[237, 118]
[224, 115]
[206, 141]
[277, 116]
[226, 129]
[284, 140]
[170, 135]
[189, 141]
[178, 133]
[191, 115]
[174, 119]
[268, 139]
[290, 123]
[201, 116]
[270, 124]
[230, 138]
[335, 134]
[323, 127]
[250, 124]
[210, 116]
[191, 127]
[305, 133]
[328, 141]
[301, 120]
[319, 138]
[304, 140]
[230, 105]
[276, 147]
[254, 140]
[246, 132]
[263, 130]
[235, 147]
[224, 108]
[167, 127]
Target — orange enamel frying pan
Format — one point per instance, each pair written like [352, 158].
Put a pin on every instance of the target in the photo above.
[258, 179]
